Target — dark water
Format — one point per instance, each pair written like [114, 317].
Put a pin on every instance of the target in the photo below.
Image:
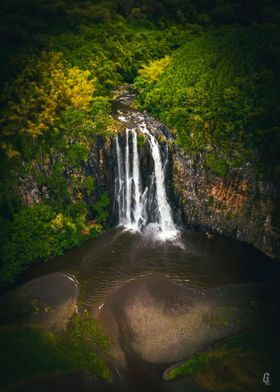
[105, 263]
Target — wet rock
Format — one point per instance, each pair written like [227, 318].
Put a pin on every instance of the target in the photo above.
[242, 207]
[162, 321]
[47, 302]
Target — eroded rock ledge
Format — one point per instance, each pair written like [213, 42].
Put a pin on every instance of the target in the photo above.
[244, 208]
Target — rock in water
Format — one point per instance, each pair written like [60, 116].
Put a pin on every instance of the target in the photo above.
[162, 321]
[48, 302]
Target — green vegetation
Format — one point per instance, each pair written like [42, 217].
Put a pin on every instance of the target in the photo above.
[56, 92]
[49, 123]
[217, 87]
[220, 92]
[86, 344]
[39, 233]
[141, 140]
[101, 208]
[236, 364]
[31, 352]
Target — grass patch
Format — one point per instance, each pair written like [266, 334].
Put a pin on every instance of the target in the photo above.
[238, 364]
[28, 353]
[141, 140]
[86, 344]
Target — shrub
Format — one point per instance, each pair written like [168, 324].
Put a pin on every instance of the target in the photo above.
[39, 233]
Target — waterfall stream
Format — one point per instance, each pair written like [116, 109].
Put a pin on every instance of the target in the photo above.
[144, 210]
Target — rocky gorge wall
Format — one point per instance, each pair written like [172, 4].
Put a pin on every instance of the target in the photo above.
[242, 208]
[245, 208]
[99, 166]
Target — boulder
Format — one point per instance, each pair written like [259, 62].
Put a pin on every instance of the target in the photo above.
[48, 301]
[162, 321]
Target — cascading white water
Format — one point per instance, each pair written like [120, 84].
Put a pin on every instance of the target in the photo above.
[166, 226]
[133, 204]
[127, 203]
[131, 209]
[138, 206]
[120, 184]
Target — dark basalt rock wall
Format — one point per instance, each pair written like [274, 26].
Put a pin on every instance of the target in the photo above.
[243, 207]
[99, 165]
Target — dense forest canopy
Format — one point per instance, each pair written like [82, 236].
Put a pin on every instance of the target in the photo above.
[221, 94]
[209, 68]
[32, 15]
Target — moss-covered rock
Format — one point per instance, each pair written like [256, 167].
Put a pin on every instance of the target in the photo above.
[237, 364]
[48, 302]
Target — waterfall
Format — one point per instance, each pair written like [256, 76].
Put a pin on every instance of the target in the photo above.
[138, 207]
[119, 185]
[127, 182]
[166, 226]
[148, 210]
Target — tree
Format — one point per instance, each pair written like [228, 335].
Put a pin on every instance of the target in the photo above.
[45, 88]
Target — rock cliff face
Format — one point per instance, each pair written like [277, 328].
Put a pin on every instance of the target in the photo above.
[243, 208]
[99, 166]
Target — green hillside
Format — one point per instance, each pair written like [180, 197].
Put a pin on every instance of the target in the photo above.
[61, 61]
[220, 92]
